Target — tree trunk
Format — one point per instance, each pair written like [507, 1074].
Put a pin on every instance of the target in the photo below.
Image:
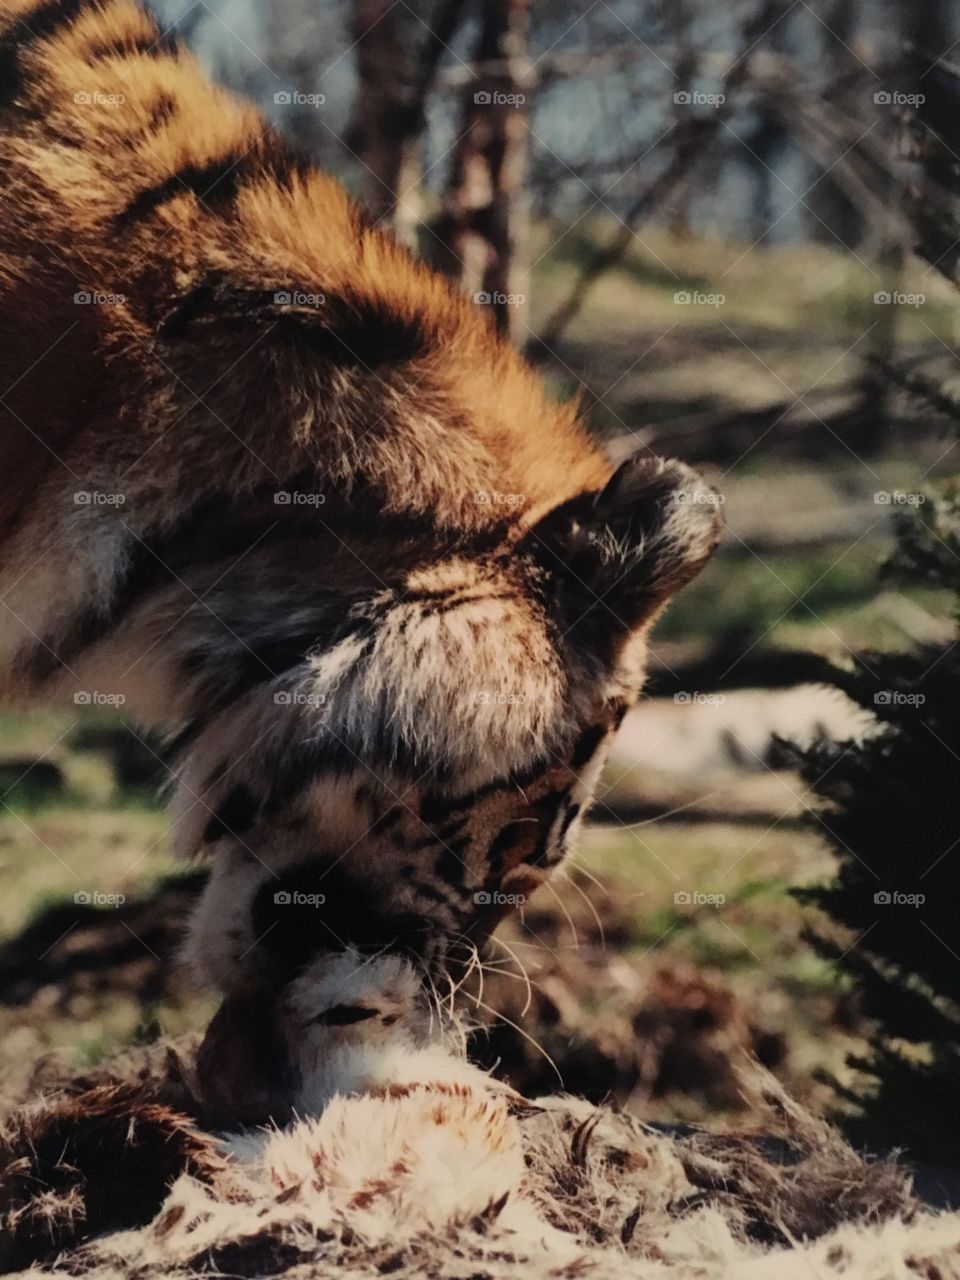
[924, 32]
[386, 128]
[482, 222]
[833, 219]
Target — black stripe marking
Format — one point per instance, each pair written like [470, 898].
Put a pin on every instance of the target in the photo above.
[443, 835]
[450, 867]
[389, 818]
[235, 816]
[431, 893]
[569, 818]
[424, 842]
[214, 183]
[547, 810]
[619, 713]
[42, 23]
[217, 182]
[246, 666]
[212, 530]
[199, 301]
[344, 1015]
[216, 775]
[457, 847]
[449, 606]
[161, 113]
[513, 836]
[307, 760]
[142, 45]
[436, 807]
[362, 332]
[586, 746]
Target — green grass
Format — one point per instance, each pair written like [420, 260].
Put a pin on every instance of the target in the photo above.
[826, 598]
[780, 290]
[750, 865]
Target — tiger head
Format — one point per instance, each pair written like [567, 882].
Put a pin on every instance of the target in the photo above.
[425, 767]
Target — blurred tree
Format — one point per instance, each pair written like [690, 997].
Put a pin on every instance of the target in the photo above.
[835, 217]
[892, 804]
[691, 136]
[930, 33]
[385, 132]
[480, 231]
[678, 18]
[398, 55]
[931, 141]
[892, 816]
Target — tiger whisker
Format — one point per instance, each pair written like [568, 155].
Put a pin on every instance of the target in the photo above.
[578, 866]
[432, 992]
[567, 916]
[502, 973]
[669, 813]
[475, 963]
[562, 871]
[522, 976]
[539, 1048]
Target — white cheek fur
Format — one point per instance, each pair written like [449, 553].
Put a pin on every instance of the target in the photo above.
[405, 1036]
[220, 933]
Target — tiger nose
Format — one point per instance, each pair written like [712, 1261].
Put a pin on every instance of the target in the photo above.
[244, 1070]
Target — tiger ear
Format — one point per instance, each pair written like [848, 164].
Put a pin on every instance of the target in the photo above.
[618, 555]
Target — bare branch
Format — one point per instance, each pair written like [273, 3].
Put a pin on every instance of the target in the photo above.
[691, 137]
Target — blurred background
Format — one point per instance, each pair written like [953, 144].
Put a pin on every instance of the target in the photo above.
[729, 230]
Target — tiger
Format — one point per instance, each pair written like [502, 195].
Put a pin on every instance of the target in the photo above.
[275, 488]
